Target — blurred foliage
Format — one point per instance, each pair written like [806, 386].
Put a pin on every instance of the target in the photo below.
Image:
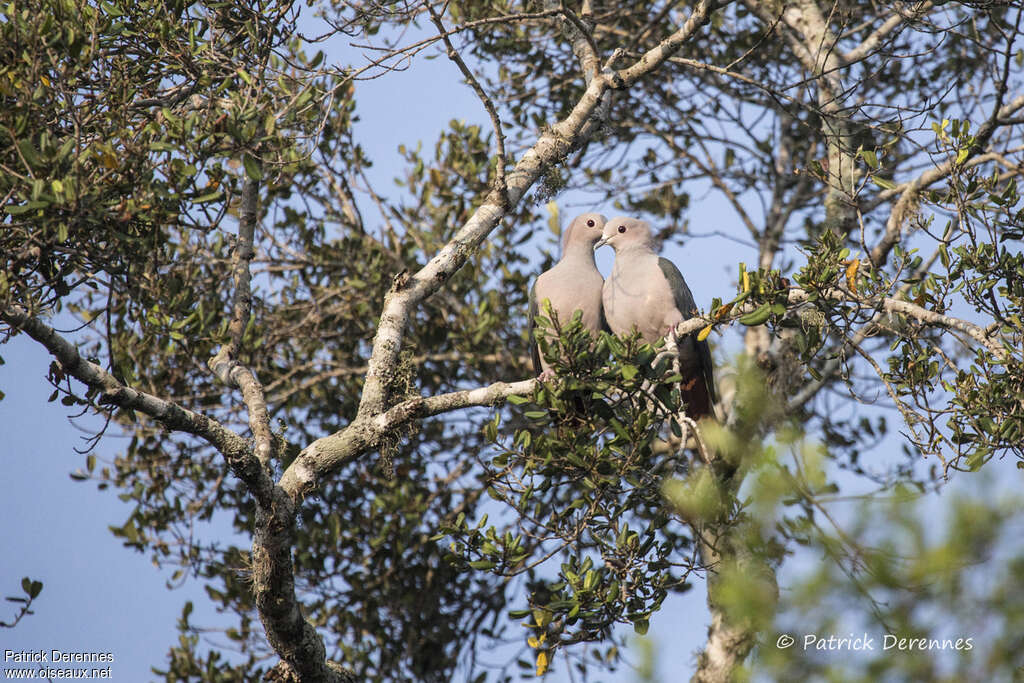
[930, 585]
[890, 584]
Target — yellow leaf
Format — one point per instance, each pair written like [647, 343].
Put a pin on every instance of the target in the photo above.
[851, 274]
[554, 222]
[746, 281]
[542, 663]
[45, 80]
[533, 642]
[703, 334]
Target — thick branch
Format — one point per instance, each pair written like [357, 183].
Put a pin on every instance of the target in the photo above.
[731, 636]
[653, 58]
[820, 44]
[490, 395]
[293, 638]
[333, 451]
[578, 31]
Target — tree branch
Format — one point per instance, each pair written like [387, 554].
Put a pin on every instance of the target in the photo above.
[333, 451]
[661, 52]
[889, 305]
[491, 395]
[172, 416]
[904, 206]
[499, 135]
[888, 26]
[224, 365]
[578, 31]
[293, 638]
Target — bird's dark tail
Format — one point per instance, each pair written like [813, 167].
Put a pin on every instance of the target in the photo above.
[696, 396]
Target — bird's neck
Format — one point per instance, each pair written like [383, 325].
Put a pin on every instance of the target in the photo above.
[636, 250]
[579, 251]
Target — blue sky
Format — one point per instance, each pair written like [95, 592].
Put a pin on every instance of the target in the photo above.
[97, 595]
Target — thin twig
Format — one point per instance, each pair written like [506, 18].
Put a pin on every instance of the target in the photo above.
[501, 186]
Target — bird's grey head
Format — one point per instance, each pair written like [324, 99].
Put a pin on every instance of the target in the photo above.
[585, 230]
[623, 232]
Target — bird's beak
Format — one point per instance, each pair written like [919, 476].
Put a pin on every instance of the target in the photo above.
[601, 242]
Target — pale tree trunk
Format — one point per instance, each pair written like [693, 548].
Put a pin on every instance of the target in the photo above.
[805, 30]
[730, 637]
[725, 552]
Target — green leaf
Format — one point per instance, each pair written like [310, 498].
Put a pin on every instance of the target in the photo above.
[619, 429]
[253, 169]
[33, 588]
[209, 197]
[28, 152]
[757, 317]
[869, 157]
[26, 207]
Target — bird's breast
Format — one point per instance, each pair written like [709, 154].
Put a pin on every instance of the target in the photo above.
[628, 303]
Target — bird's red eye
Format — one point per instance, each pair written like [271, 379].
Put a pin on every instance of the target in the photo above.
[622, 228]
[590, 223]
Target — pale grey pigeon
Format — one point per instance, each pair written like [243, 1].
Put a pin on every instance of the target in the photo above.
[573, 284]
[649, 293]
